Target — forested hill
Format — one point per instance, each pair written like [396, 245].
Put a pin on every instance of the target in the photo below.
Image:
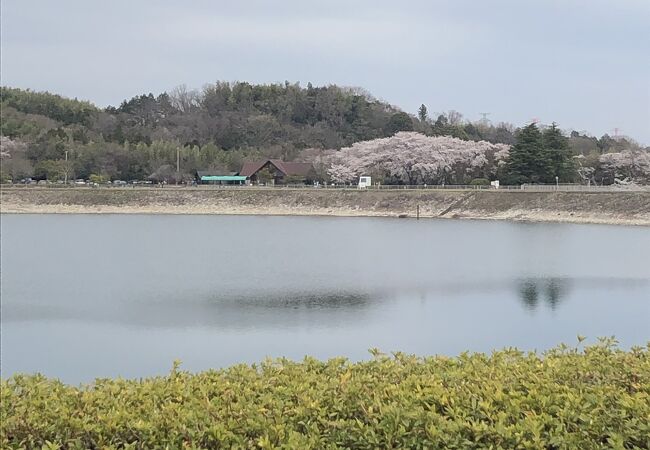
[234, 116]
[228, 115]
[217, 127]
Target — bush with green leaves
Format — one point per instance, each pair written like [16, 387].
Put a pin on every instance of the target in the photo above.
[566, 398]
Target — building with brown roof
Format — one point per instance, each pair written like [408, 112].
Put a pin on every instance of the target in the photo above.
[276, 171]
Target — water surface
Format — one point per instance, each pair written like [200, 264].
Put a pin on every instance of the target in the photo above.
[87, 296]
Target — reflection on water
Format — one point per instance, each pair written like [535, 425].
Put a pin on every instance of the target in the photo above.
[350, 301]
[550, 291]
[297, 308]
[294, 309]
[104, 298]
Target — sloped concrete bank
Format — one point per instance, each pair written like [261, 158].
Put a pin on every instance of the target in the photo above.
[624, 208]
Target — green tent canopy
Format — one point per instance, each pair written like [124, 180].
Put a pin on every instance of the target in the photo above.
[223, 178]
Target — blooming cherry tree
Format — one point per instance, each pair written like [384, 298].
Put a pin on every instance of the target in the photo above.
[412, 158]
[626, 166]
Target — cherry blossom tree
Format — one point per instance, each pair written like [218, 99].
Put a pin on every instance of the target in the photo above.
[626, 166]
[586, 168]
[413, 158]
[14, 164]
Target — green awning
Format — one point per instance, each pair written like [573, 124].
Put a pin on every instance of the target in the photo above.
[222, 178]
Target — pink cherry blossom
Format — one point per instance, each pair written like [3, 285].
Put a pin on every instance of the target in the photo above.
[414, 158]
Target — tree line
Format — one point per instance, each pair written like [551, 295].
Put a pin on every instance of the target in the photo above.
[46, 136]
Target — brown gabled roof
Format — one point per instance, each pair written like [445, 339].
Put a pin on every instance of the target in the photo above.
[293, 168]
[250, 167]
[287, 168]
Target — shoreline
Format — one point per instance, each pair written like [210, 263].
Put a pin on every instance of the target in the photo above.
[631, 209]
[522, 217]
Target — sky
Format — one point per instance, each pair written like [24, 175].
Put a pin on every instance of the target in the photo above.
[584, 64]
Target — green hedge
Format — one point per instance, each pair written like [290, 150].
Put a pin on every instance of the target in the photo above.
[598, 397]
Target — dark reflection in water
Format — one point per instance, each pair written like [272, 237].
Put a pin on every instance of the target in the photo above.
[274, 311]
[299, 309]
[104, 298]
[351, 301]
[549, 291]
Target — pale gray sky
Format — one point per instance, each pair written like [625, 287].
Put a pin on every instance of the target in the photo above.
[582, 63]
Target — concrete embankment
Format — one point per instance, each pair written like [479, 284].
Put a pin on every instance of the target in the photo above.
[625, 208]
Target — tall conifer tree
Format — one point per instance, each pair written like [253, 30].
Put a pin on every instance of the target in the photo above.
[559, 154]
[423, 114]
[527, 160]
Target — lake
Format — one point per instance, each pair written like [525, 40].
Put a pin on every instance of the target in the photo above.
[87, 296]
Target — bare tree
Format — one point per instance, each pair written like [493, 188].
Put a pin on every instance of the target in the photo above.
[184, 100]
[454, 118]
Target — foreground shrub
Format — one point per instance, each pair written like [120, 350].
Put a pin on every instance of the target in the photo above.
[598, 397]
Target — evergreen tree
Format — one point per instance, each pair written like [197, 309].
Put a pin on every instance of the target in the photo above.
[423, 113]
[398, 122]
[528, 161]
[559, 154]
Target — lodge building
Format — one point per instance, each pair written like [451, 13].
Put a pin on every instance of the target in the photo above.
[267, 171]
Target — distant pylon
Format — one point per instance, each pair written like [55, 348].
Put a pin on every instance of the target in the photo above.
[485, 119]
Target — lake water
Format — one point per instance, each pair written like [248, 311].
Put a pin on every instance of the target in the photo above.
[87, 296]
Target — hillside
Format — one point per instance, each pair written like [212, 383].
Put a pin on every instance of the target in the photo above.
[216, 128]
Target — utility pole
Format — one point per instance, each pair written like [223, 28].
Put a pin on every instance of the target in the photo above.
[178, 163]
[66, 168]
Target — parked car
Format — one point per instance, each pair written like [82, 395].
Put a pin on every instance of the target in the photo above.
[119, 183]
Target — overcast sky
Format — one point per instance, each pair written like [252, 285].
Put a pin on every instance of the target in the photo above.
[584, 64]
